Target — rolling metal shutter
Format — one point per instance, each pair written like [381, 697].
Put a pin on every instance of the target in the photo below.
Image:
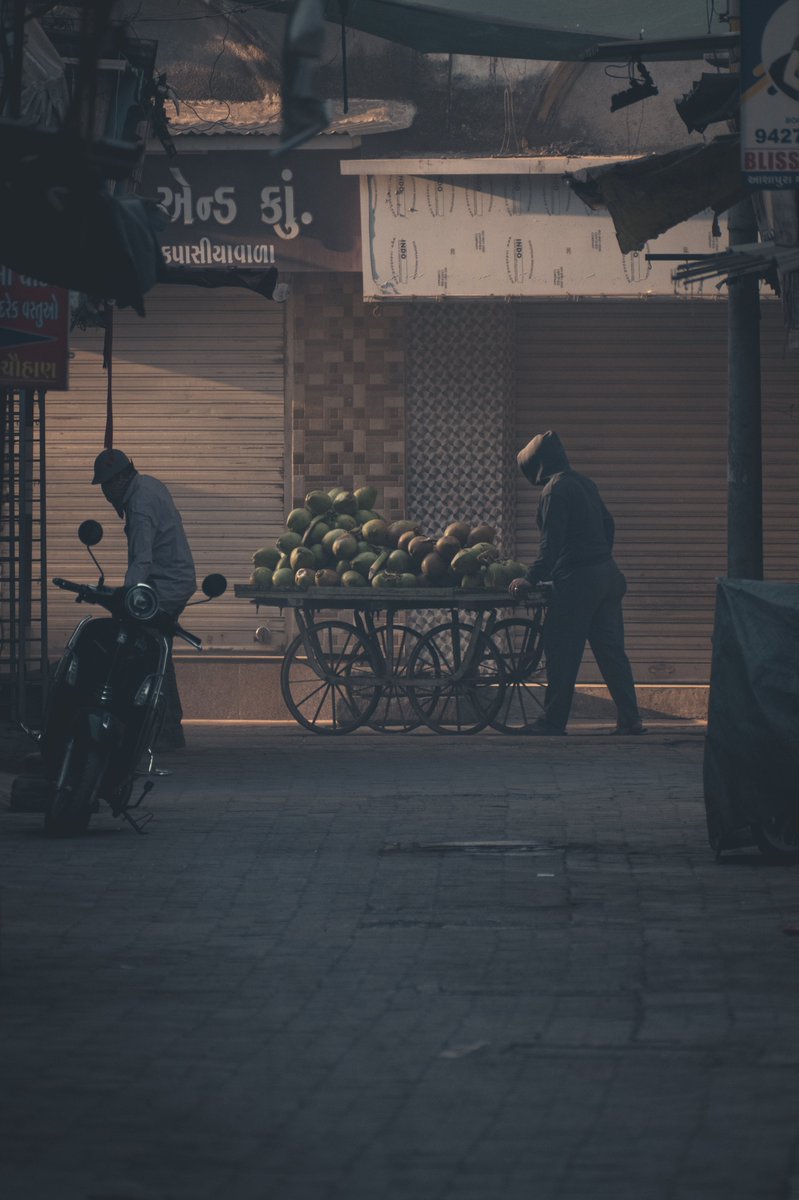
[638, 392]
[199, 403]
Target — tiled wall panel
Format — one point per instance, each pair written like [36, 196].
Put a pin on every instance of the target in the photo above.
[460, 428]
[348, 390]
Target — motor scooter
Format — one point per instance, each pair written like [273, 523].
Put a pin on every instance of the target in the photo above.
[106, 704]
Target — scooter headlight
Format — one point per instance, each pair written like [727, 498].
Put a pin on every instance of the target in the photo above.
[141, 602]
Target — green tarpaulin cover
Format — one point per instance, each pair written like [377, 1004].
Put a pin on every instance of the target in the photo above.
[751, 768]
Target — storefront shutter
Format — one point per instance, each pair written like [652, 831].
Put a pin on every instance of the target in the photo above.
[199, 403]
[638, 392]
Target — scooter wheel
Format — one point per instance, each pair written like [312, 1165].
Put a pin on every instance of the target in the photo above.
[779, 838]
[69, 809]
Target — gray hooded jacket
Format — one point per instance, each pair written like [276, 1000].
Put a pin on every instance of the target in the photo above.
[575, 526]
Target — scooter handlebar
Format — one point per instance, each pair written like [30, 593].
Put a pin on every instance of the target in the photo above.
[84, 591]
[191, 638]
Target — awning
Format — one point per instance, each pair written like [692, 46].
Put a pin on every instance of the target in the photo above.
[647, 196]
[558, 30]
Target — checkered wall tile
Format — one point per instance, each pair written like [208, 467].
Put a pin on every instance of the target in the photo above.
[459, 419]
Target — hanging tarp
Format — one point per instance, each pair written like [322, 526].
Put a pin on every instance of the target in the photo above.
[558, 30]
[751, 763]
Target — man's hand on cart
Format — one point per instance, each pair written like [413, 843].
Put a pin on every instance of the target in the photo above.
[520, 589]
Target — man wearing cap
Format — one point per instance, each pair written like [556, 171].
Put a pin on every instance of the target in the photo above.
[158, 554]
[575, 554]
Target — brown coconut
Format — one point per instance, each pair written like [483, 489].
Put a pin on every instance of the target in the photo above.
[448, 547]
[481, 533]
[459, 530]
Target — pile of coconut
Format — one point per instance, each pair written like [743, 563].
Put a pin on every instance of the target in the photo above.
[337, 539]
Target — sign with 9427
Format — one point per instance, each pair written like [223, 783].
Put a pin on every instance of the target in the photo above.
[770, 93]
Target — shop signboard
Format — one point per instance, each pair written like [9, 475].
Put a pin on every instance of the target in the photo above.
[242, 210]
[505, 236]
[34, 333]
[770, 93]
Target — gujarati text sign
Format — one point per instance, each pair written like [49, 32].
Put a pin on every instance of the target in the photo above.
[34, 333]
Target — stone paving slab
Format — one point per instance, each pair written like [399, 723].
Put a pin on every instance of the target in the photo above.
[291, 990]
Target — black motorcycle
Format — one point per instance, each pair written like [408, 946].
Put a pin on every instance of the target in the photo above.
[106, 704]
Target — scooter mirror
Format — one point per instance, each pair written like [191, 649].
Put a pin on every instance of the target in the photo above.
[214, 585]
[90, 532]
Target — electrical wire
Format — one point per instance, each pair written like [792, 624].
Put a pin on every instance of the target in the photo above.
[218, 57]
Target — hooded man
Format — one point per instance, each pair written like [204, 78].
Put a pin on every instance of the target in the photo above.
[158, 554]
[575, 553]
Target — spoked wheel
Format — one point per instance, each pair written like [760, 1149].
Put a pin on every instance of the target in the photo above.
[457, 679]
[394, 712]
[328, 680]
[69, 809]
[779, 837]
[520, 642]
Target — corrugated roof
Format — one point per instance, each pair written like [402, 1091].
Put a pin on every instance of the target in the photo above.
[264, 117]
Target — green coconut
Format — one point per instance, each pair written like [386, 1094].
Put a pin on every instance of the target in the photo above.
[497, 576]
[330, 539]
[298, 520]
[283, 578]
[366, 496]
[376, 532]
[472, 583]
[315, 532]
[385, 579]
[269, 556]
[318, 502]
[399, 560]
[288, 541]
[262, 578]
[353, 579]
[301, 556]
[466, 562]
[367, 514]
[363, 561]
[345, 502]
[346, 546]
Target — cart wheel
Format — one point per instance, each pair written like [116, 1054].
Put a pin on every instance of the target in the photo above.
[395, 712]
[446, 697]
[520, 642]
[336, 693]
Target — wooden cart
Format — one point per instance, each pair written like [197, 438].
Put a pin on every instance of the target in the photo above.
[452, 663]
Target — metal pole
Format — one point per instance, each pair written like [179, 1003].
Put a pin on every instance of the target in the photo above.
[744, 454]
[744, 430]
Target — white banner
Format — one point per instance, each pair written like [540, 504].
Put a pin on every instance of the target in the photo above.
[508, 235]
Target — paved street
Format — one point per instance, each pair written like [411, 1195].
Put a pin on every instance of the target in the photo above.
[305, 983]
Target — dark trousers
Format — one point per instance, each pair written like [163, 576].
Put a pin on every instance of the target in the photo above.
[586, 607]
[173, 709]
